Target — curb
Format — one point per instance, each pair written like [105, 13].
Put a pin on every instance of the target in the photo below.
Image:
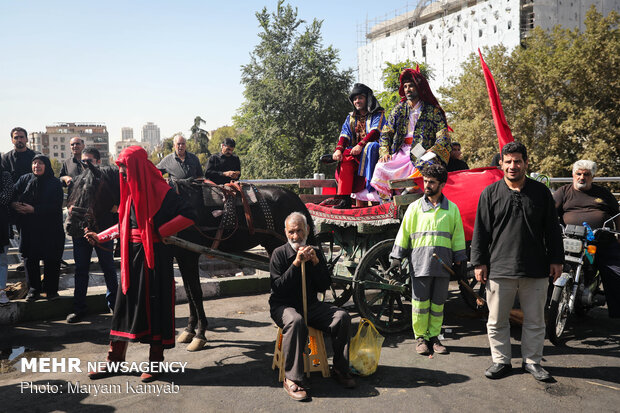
[18, 311]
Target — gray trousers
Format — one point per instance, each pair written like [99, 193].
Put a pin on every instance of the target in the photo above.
[500, 299]
[322, 316]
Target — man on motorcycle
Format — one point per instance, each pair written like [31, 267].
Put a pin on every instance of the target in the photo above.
[583, 201]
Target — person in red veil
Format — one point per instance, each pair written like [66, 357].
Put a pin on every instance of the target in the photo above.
[149, 211]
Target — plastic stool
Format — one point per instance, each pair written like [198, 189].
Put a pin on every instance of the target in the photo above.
[315, 361]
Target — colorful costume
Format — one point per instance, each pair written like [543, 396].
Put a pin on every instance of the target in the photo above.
[354, 172]
[425, 123]
[149, 210]
[428, 230]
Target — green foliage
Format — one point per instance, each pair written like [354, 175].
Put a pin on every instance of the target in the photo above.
[56, 166]
[389, 98]
[221, 133]
[198, 142]
[560, 93]
[295, 98]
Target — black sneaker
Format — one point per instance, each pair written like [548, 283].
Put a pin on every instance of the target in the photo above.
[52, 296]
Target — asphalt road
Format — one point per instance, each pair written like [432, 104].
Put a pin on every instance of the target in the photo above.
[233, 372]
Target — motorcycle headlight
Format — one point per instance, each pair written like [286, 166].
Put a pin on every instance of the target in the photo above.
[572, 245]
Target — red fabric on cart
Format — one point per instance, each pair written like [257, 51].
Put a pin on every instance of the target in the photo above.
[464, 189]
[375, 215]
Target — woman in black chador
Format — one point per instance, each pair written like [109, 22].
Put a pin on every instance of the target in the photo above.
[38, 205]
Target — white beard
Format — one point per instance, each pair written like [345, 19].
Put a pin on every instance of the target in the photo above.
[296, 245]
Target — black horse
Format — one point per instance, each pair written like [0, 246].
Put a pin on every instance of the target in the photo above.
[97, 190]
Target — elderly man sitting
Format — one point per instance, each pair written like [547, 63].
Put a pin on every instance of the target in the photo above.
[286, 304]
[584, 201]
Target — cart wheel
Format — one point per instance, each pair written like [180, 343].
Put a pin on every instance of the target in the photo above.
[469, 299]
[340, 291]
[388, 310]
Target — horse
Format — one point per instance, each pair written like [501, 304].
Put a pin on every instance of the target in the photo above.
[97, 190]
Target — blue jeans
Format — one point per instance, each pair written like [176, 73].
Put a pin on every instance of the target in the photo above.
[82, 251]
[4, 266]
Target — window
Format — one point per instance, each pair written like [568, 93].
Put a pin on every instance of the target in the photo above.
[494, 29]
[62, 147]
[55, 138]
[480, 33]
[424, 46]
[509, 24]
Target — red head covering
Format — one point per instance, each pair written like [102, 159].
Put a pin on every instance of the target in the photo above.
[145, 188]
[422, 86]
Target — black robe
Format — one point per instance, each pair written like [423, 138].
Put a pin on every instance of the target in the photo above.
[146, 313]
[41, 234]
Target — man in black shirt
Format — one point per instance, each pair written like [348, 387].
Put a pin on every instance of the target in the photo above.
[73, 166]
[286, 303]
[584, 201]
[516, 246]
[19, 160]
[456, 163]
[181, 164]
[82, 252]
[224, 167]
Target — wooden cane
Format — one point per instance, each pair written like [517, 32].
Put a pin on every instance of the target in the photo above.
[479, 300]
[305, 309]
[303, 291]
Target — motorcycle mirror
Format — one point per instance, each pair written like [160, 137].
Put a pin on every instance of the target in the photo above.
[610, 219]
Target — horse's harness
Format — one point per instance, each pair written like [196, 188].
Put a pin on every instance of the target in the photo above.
[228, 196]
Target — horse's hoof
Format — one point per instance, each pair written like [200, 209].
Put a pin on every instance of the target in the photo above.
[196, 344]
[185, 337]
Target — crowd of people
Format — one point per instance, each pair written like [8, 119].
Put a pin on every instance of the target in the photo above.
[31, 201]
[516, 246]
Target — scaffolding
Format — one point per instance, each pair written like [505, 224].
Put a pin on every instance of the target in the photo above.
[407, 17]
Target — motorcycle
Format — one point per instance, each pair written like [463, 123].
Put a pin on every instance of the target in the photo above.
[578, 289]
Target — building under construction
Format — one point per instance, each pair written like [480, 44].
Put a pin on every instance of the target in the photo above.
[443, 33]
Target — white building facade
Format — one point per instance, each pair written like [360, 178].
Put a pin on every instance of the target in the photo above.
[151, 134]
[444, 33]
[127, 133]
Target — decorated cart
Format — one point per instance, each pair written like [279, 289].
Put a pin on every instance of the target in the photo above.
[357, 243]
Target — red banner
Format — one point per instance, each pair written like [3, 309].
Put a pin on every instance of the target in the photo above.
[464, 189]
[501, 126]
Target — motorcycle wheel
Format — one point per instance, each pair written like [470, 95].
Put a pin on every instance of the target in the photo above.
[558, 313]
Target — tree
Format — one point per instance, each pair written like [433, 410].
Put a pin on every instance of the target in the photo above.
[221, 133]
[56, 166]
[198, 142]
[561, 97]
[295, 97]
[390, 97]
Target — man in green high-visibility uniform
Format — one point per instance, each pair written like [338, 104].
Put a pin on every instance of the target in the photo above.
[431, 225]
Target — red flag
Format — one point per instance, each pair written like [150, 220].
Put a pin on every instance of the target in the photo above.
[464, 189]
[501, 126]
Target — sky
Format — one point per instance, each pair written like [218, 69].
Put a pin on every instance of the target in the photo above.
[125, 63]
